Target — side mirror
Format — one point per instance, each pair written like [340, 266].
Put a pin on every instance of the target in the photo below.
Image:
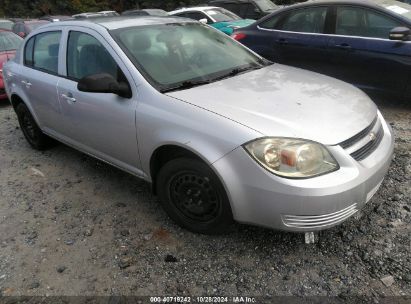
[204, 20]
[103, 83]
[400, 33]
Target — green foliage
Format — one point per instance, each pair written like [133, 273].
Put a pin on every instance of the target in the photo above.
[36, 8]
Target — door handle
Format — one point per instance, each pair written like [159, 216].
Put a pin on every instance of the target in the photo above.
[343, 46]
[282, 41]
[26, 83]
[69, 97]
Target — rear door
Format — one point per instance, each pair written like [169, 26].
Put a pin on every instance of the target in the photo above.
[297, 37]
[362, 52]
[40, 75]
[102, 124]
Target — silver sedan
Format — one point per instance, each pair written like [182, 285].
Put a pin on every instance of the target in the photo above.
[222, 134]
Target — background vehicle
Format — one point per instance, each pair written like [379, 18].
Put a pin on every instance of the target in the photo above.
[247, 9]
[145, 12]
[220, 132]
[9, 43]
[87, 15]
[108, 13]
[24, 27]
[217, 17]
[366, 43]
[55, 18]
[6, 24]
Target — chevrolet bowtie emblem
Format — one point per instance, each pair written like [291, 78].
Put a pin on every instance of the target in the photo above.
[372, 136]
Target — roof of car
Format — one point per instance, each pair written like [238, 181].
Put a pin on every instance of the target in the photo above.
[363, 2]
[195, 8]
[112, 23]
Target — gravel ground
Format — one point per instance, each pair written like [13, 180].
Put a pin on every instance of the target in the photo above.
[72, 225]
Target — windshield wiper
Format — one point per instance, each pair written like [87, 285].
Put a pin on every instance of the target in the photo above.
[186, 85]
[237, 71]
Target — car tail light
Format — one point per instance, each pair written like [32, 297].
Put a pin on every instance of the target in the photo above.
[238, 36]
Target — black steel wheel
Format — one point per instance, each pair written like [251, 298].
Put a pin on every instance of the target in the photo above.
[36, 138]
[194, 197]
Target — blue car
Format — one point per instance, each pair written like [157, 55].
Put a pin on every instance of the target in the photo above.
[366, 43]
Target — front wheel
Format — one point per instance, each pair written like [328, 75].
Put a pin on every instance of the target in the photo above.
[193, 196]
[36, 138]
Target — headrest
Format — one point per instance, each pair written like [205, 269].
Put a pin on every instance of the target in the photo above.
[141, 42]
[54, 50]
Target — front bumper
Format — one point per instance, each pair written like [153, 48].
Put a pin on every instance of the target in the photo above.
[261, 198]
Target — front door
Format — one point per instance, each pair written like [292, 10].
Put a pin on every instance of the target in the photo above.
[102, 124]
[364, 55]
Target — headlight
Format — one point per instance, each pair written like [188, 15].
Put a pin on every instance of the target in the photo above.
[292, 158]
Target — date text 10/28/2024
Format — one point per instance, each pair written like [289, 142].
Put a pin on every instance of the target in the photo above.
[236, 299]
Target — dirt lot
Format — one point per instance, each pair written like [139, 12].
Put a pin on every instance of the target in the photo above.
[72, 225]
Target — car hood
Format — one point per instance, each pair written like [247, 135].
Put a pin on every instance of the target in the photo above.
[288, 102]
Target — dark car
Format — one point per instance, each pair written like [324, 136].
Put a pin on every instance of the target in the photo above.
[247, 9]
[24, 27]
[366, 43]
[145, 12]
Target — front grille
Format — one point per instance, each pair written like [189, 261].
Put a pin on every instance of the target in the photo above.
[318, 221]
[351, 141]
[370, 147]
[364, 143]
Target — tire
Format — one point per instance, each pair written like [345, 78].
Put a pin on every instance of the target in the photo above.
[35, 137]
[193, 196]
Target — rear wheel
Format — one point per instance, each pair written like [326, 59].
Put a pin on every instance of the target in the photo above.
[36, 138]
[193, 196]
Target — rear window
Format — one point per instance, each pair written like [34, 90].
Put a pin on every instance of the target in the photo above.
[9, 41]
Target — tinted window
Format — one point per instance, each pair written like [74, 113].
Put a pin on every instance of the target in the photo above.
[87, 56]
[271, 23]
[196, 16]
[308, 20]
[353, 21]
[9, 41]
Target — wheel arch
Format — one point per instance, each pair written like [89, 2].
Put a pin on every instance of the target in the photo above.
[167, 152]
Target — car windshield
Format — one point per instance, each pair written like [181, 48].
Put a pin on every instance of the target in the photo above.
[221, 15]
[7, 25]
[400, 8]
[9, 41]
[265, 5]
[181, 55]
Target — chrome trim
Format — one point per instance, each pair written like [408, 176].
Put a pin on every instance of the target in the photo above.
[319, 221]
[330, 35]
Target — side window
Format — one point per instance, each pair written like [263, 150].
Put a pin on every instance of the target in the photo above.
[349, 22]
[232, 7]
[28, 52]
[41, 52]
[271, 23]
[197, 16]
[361, 22]
[87, 56]
[46, 51]
[378, 26]
[308, 20]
